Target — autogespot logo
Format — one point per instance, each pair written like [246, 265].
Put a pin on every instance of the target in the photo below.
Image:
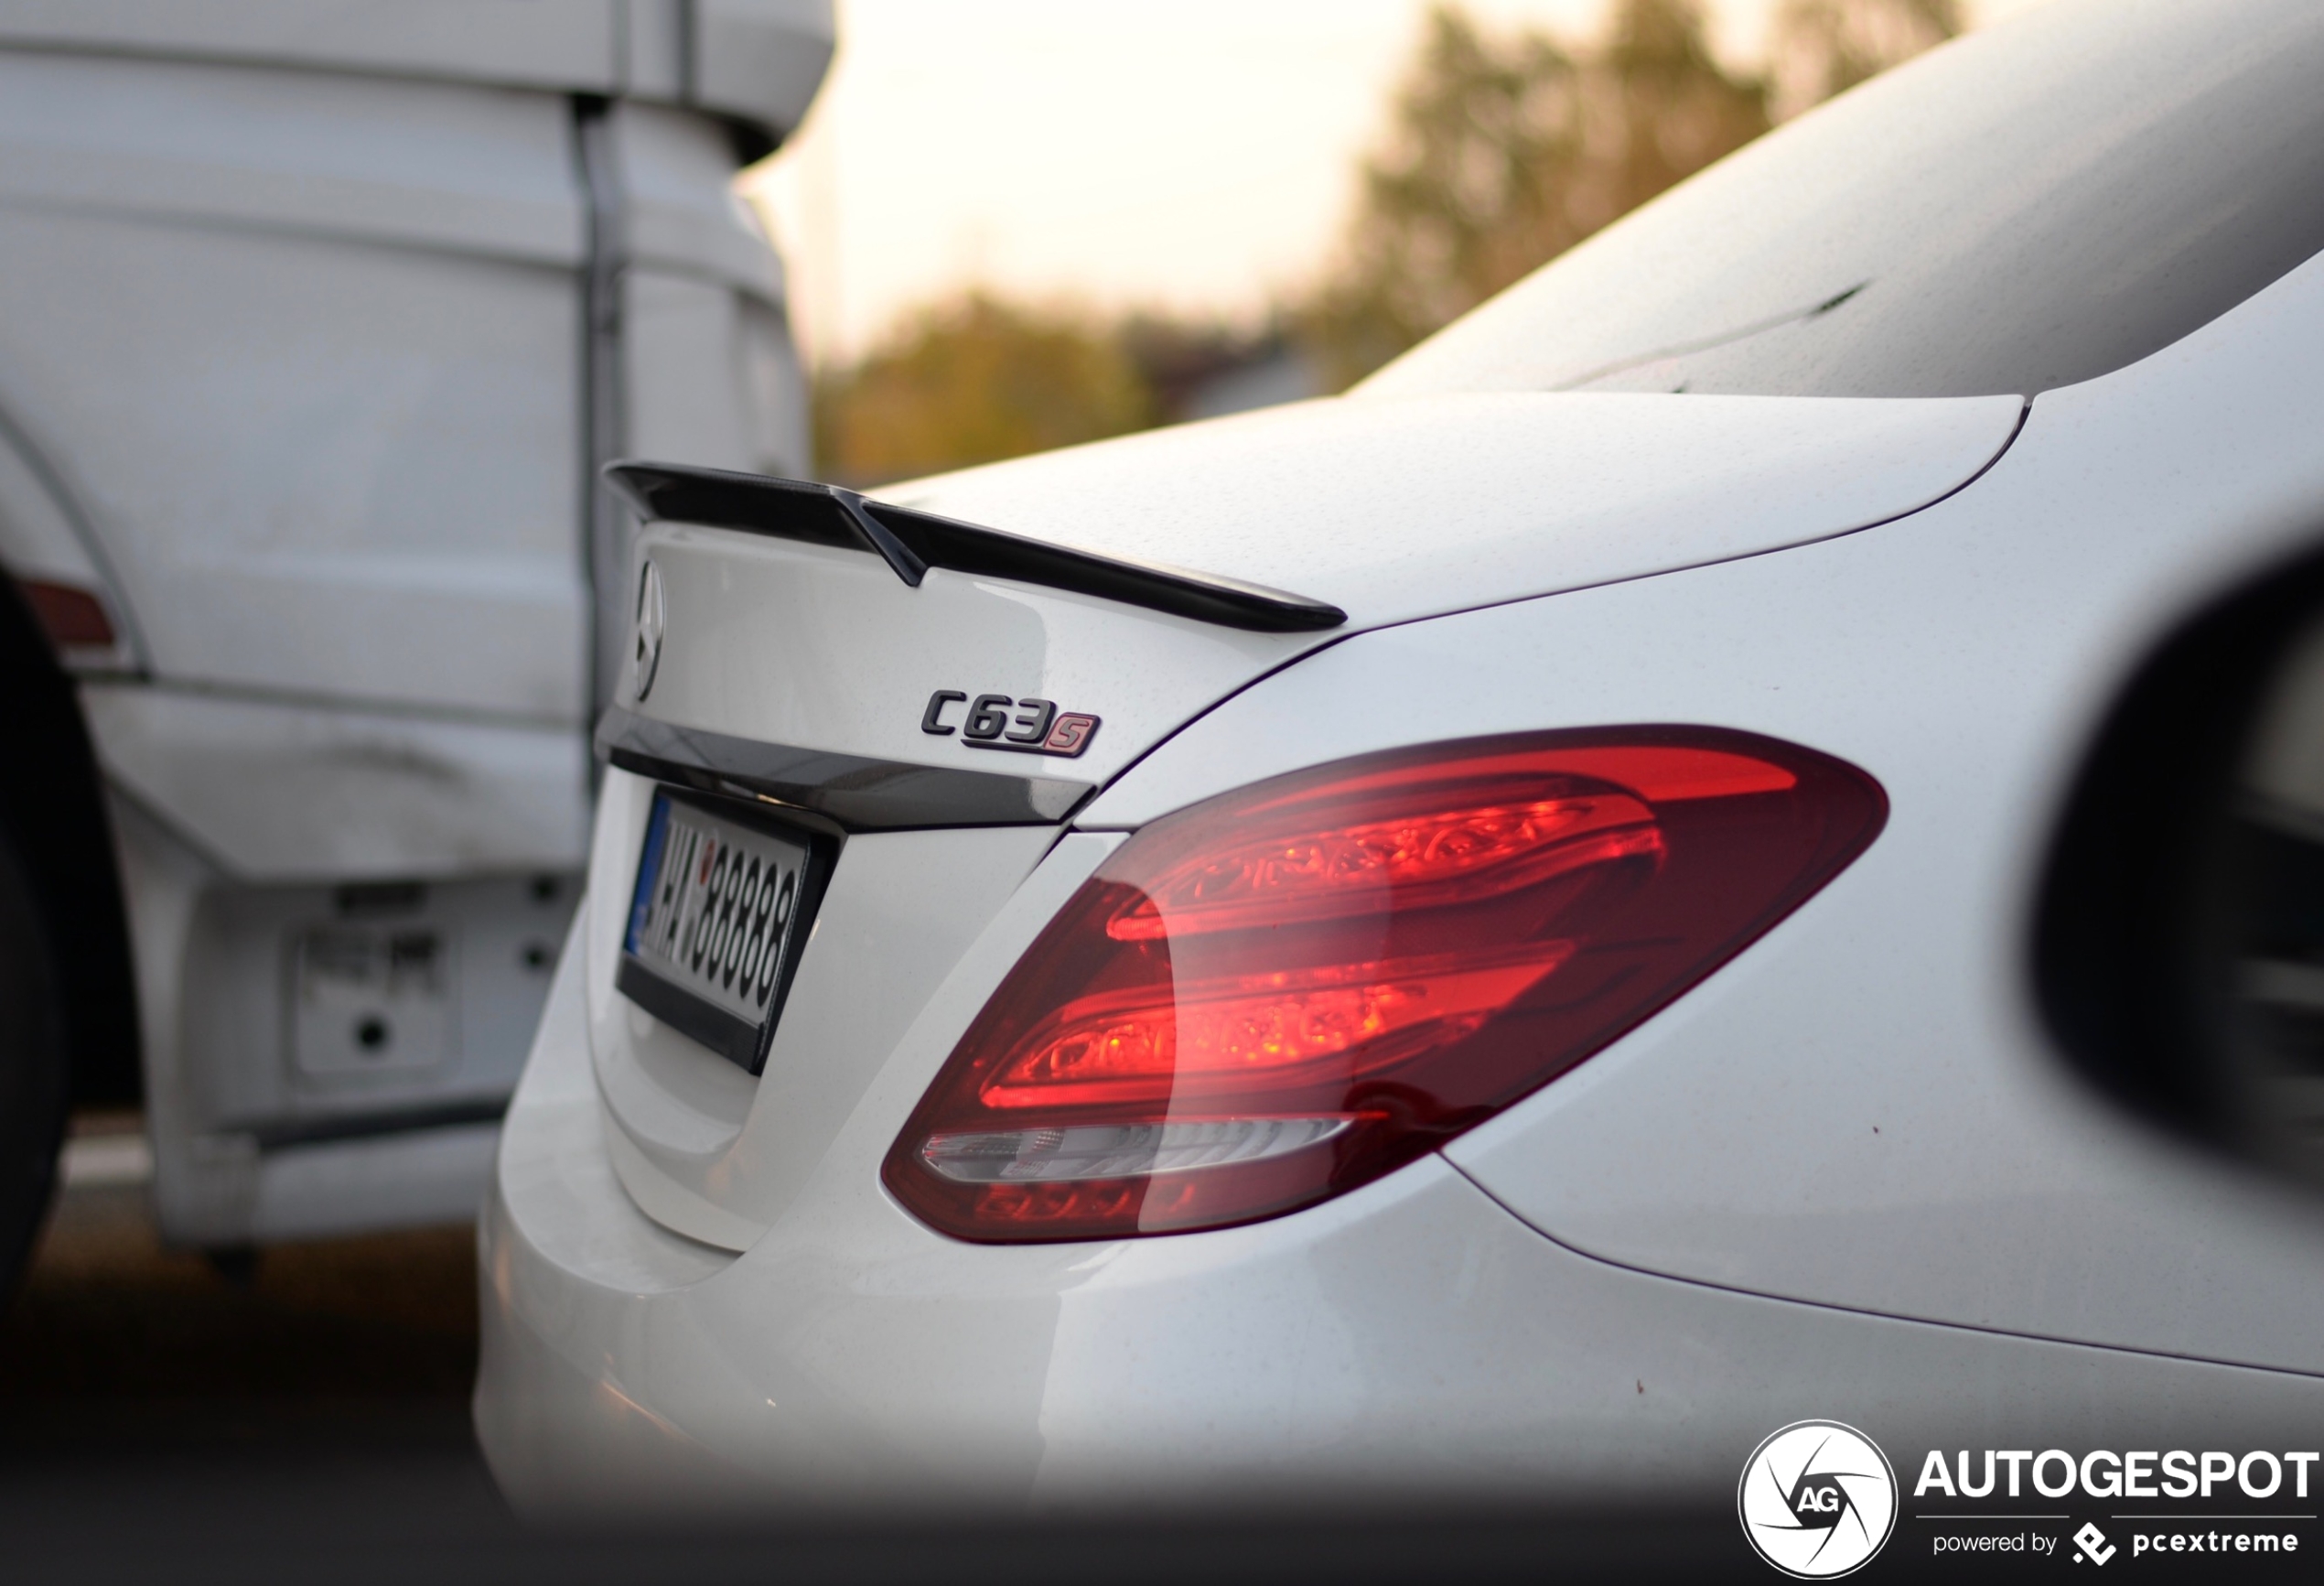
[1818, 1499]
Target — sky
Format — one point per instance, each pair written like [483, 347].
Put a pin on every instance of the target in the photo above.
[1193, 155]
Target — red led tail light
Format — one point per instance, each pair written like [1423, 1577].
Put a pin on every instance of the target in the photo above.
[1273, 997]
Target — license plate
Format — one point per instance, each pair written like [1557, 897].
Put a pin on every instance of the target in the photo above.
[715, 922]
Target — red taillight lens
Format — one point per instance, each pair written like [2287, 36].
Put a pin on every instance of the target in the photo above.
[72, 617]
[1271, 998]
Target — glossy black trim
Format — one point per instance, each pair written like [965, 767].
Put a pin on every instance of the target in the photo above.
[854, 793]
[912, 542]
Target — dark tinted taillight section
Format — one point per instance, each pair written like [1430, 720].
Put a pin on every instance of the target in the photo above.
[1284, 992]
[72, 617]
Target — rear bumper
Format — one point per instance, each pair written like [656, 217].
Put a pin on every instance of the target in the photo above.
[1412, 1333]
[1410, 1339]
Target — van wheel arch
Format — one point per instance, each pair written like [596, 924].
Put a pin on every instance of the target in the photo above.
[53, 817]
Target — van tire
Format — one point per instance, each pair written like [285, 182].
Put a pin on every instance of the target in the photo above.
[34, 1077]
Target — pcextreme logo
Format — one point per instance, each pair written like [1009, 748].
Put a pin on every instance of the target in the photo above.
[1818, 1499]
[2237, 1503]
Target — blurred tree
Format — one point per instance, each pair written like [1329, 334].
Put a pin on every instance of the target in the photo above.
[1823, 47]
[1179, 358]
[973, 380]
[1477, 186]
[1678, 110]
[1505, 152]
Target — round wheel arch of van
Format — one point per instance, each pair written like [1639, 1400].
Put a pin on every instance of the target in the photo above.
[67, 999]
[34, 1067]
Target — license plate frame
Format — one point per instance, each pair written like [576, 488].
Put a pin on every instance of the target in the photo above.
[724, 897]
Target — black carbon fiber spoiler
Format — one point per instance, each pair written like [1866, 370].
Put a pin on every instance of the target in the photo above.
[912, 542]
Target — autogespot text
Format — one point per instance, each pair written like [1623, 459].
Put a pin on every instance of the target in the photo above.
[2102, 1474]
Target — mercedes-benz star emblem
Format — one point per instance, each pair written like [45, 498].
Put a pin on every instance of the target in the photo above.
[649, 622]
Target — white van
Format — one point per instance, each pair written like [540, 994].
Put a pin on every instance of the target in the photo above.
[317, 319]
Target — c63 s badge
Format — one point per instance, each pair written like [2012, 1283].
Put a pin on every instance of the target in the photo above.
[1036, 726]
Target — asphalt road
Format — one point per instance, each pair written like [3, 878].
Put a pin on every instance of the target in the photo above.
[115, 1334]
[158, 1415]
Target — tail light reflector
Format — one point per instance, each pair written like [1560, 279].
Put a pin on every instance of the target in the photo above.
[1275, 995]
[73, 618]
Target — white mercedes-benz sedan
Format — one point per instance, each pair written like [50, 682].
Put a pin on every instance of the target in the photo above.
[1510, 934]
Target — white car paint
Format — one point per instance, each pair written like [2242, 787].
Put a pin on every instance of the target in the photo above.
[2048, 1211]
[1470, 499]
[1531, 491]
[1752, 1095]
[1845, 1176]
